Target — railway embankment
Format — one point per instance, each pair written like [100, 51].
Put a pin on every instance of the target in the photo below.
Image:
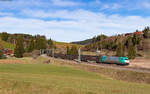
[123, 73]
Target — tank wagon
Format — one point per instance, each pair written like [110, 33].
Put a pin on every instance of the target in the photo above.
[115, 60]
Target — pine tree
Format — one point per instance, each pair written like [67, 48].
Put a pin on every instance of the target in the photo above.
[31, 46]
[19, 50]
[120, 50]
[1, 52]
[40, 43]
[131, 51]
[51, 43]
[68, 50]
[94, 39]
[74, 50]
[134, 39]
[4, 36]
[146, 32]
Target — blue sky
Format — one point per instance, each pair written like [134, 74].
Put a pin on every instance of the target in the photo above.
[73, 20]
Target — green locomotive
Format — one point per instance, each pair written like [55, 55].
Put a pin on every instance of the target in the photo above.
[115, 60]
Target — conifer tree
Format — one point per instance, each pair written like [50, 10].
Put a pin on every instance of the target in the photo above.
[68, 50]
[40, 43]
[19, 50]
[146, 32]
[120, 50]
[73, 50]
[1, 52]
[131, 51]
[135, 40]
[51, 43]
[31, 46]
[4, 36]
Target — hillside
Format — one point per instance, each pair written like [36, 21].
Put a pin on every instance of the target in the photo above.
[61, 47]
[7, 45]
[11, 39]
[64, 44]
[84, 42]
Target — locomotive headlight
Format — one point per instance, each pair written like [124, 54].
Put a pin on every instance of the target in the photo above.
[127, 61]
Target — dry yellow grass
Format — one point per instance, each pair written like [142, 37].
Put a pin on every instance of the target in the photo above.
[25, 60]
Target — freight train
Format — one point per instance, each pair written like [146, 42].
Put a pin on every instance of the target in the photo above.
[97, 59]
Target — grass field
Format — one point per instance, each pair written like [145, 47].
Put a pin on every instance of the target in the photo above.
[38, 78]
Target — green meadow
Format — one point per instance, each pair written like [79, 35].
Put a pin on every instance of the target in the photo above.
[55, 79]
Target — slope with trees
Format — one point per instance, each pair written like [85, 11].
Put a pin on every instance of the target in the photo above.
[130, 45]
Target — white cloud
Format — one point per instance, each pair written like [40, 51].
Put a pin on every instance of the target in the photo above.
[113, 6]
[81, 24]
[72, 15]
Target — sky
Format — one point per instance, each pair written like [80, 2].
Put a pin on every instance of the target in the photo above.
[73, 20]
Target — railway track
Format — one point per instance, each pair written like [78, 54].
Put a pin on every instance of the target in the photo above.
[94, 60]
[119, 67]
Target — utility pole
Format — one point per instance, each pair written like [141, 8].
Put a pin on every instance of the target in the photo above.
[41, 51]
[49, 51]
[79, 55]
[97, 52]
[101, 41]
[52, 52]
